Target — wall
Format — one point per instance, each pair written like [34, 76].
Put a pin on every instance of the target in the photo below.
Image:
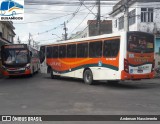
[150, 26]
[141, 26]
[6, 31]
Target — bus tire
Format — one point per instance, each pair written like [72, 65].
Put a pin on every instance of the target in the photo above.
[52, 75]
[88, 77]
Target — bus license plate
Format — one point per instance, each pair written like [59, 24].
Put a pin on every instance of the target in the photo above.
[140, 71]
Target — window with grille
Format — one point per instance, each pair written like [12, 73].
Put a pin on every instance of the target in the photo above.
[146, 14]
[121, 22]
[132, 17]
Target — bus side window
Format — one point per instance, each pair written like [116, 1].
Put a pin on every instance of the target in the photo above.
[55, 52]
[82, 50]
[95, 49]
[71, 51]
[62, 51]
[111, 48]
[49, 52]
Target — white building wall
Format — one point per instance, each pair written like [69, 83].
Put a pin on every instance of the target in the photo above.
[141, 26]
[7, 31]
[149, 26]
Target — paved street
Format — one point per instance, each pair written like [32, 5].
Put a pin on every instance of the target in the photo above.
[42, 95]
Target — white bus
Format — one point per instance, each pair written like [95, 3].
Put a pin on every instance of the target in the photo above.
[111, 57]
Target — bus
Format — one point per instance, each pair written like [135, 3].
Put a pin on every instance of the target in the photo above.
[110, 57]
[10, 7]
[19, 59]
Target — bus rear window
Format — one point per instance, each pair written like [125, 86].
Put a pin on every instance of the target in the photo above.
[140, 42]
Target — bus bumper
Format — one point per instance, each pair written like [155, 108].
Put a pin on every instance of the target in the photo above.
[127, 76]
[14, 73]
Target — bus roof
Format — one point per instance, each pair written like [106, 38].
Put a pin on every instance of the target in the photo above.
[117, 34]
[86, 39]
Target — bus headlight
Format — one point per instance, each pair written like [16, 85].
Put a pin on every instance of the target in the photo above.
[3, 67]
[28, 66]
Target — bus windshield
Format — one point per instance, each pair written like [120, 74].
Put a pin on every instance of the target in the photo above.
[15, 56]
[140, 42]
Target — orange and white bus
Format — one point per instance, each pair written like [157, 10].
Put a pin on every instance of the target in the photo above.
[111, 57]
[19, 59]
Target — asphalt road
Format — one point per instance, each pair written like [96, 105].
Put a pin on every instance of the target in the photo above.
[45, 96]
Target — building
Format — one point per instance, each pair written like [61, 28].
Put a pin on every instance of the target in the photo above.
[92, 29]
[6, 34]
[143, 15]
[105, 27]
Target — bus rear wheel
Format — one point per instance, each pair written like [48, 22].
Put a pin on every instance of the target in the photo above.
[88, 77]
[52, 75]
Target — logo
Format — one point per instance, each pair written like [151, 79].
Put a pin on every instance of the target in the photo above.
[6, 118]
[11, 10]
[99, 63]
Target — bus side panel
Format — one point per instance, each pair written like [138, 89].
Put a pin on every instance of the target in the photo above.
[75, 67]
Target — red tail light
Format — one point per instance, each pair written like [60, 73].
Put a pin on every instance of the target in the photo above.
[153, 65]
[126, 67]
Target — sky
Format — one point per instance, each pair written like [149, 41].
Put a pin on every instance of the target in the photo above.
[45, 22]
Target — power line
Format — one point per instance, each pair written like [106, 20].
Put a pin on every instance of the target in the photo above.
[88, 8]
[77, 10]
[44, 20]
[67, 3]
[81, 21]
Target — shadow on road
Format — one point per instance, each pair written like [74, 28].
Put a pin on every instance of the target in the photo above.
[145, 84]
[21, 79]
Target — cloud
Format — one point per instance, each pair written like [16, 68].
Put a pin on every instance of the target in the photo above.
[22, 30]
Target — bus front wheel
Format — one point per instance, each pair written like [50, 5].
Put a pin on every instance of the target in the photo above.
[52, 75]
[88, 77]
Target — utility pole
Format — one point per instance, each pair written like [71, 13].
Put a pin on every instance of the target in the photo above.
[18, 40]
[65, 31]
[126, 16]
[33, 43]
[29, 40]
[99, 17]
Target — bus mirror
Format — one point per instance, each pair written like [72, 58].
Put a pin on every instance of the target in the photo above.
[31, 53]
